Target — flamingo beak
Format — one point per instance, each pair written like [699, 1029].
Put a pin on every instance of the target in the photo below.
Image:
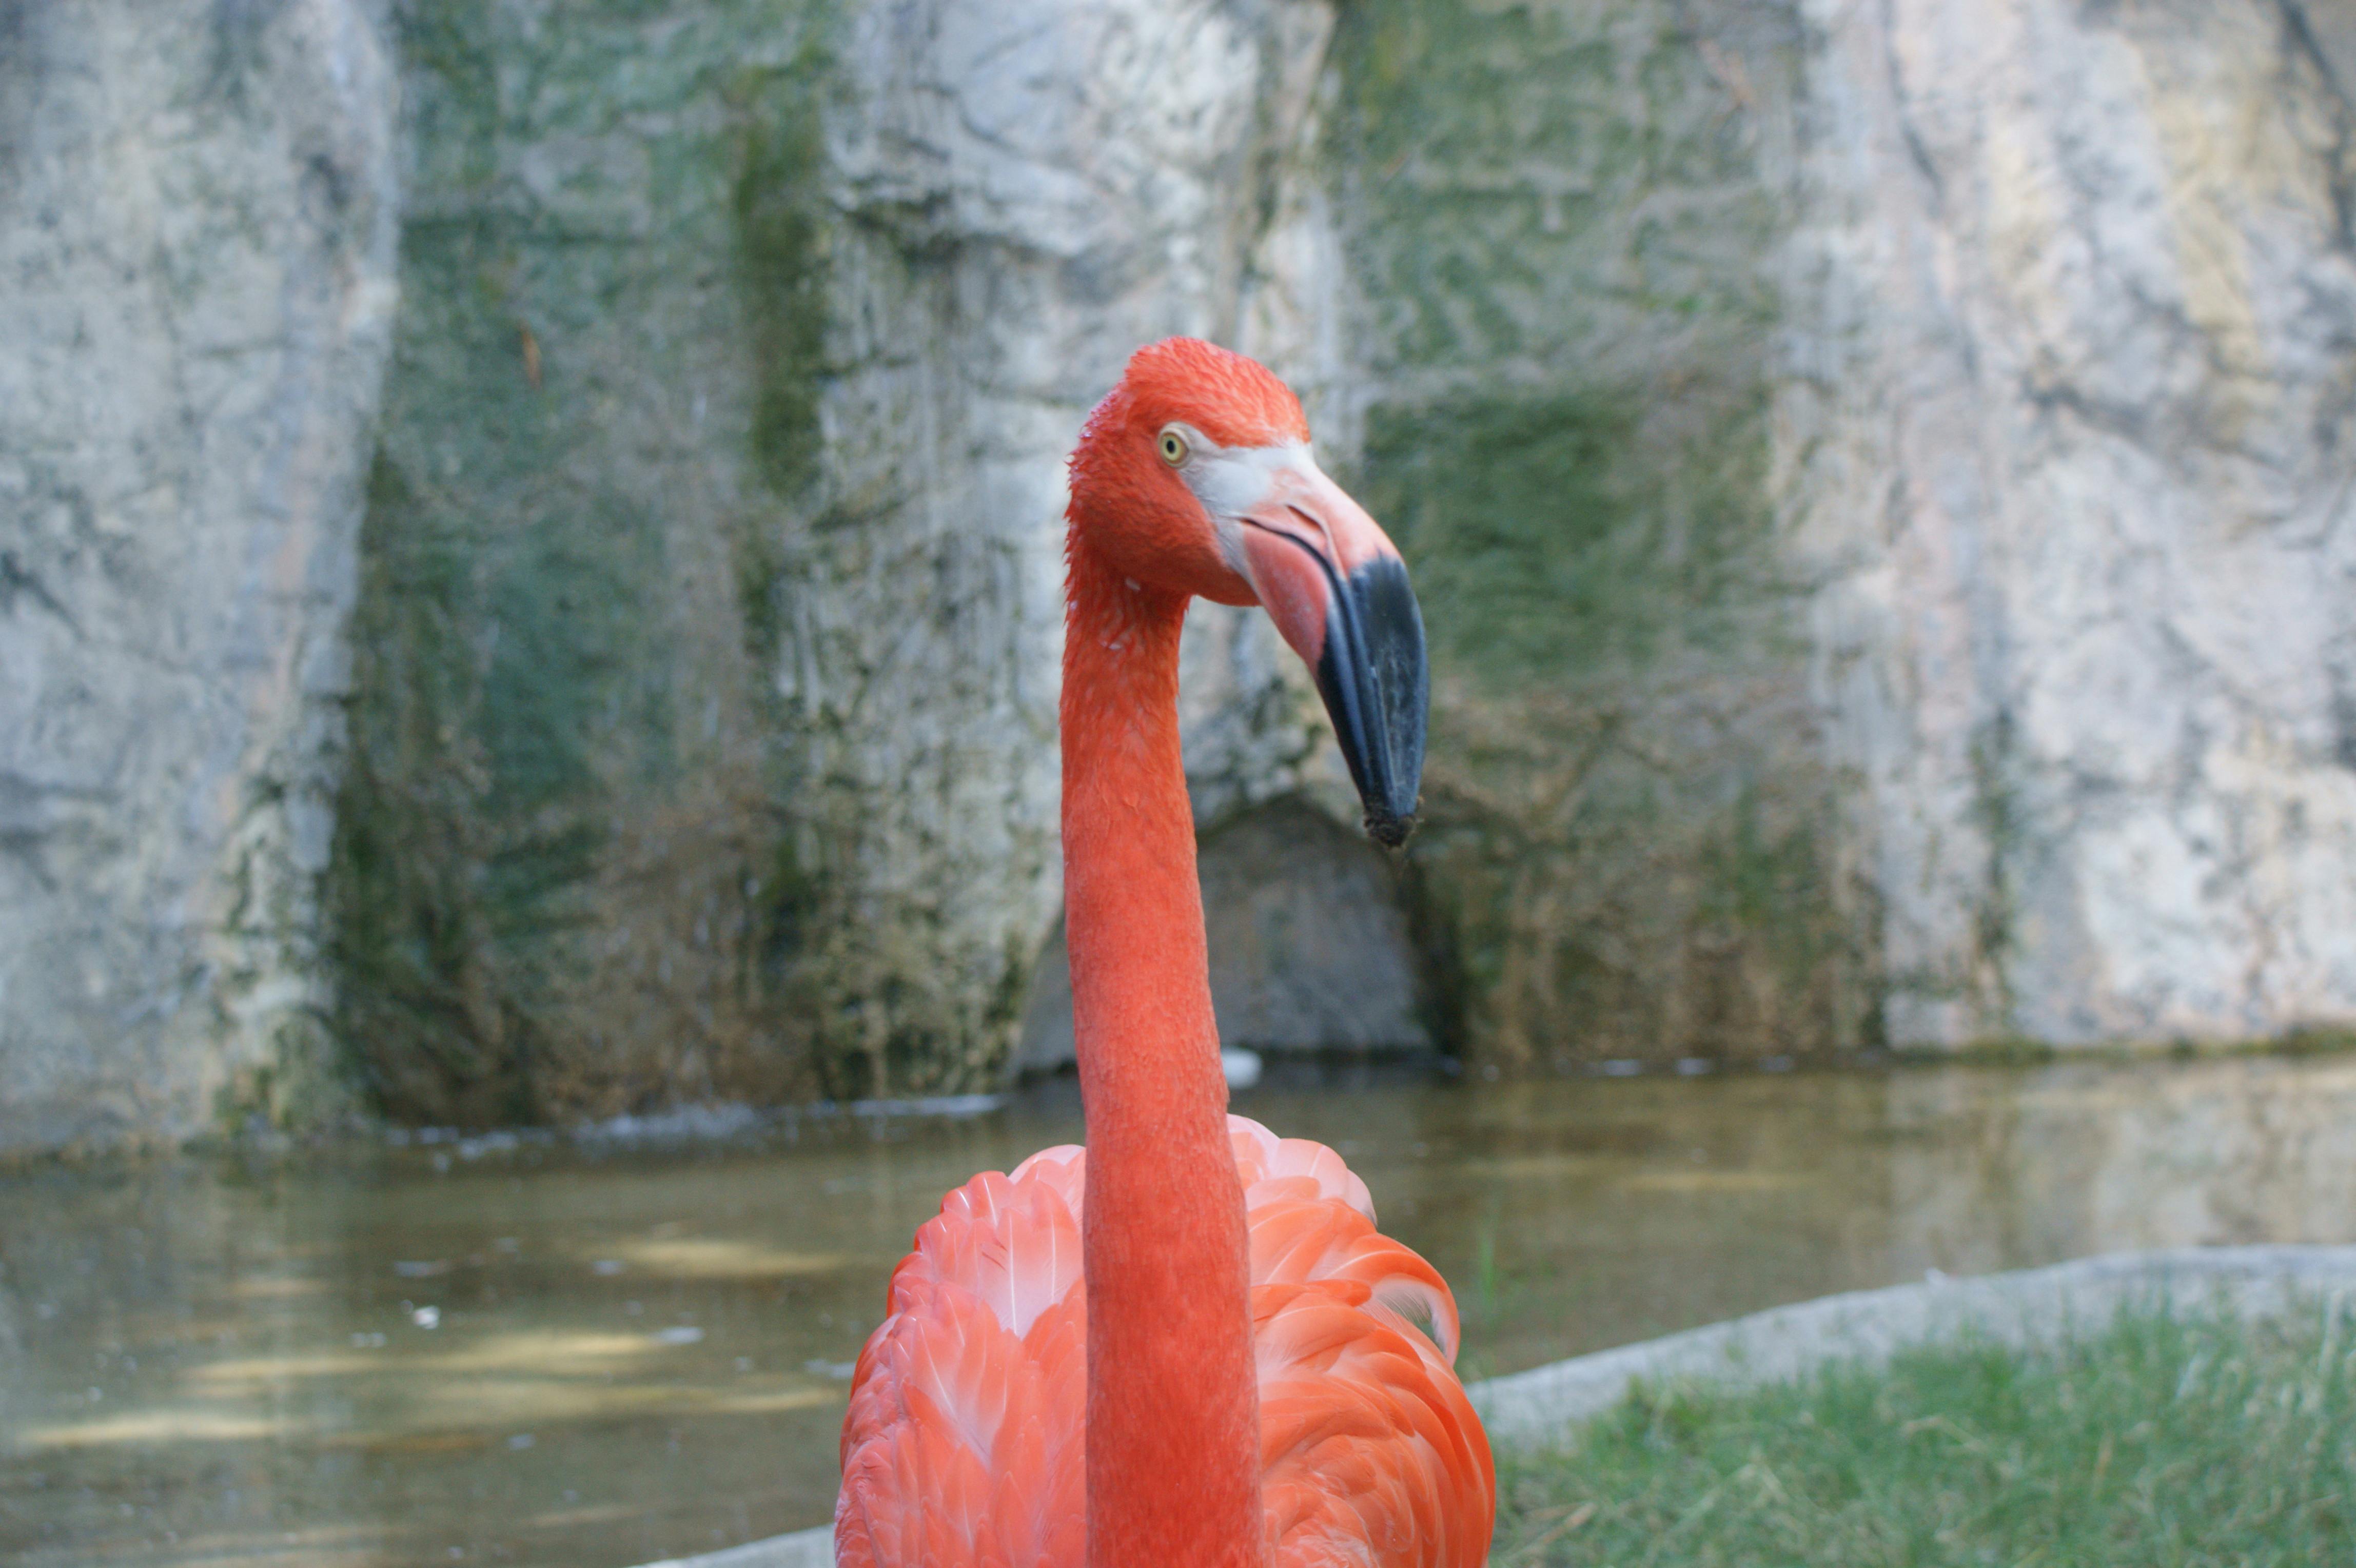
[1337, 590]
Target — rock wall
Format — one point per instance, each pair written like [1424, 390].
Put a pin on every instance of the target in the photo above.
[561, 854]
[197, 227]
[2067, 443]
[1877, 480]
[704, 733]
[1309, 949]
[1027, 192]
[1562, 230]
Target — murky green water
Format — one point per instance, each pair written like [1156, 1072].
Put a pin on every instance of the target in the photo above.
[567, 1355]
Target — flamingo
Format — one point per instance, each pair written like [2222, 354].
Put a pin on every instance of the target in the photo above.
[1185, 1346]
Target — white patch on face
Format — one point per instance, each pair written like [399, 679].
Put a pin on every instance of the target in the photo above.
[1232, 481]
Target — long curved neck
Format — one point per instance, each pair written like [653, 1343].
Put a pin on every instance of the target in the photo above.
[1173, 1415]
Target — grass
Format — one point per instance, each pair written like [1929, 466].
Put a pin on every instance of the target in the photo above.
[2174, 1439]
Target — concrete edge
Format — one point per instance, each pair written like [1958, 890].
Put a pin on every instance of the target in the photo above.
[2027, 1307]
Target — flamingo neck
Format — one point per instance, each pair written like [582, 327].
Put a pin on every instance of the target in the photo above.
[1173, 1415]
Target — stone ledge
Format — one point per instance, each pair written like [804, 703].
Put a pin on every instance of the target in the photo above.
[2030, 1306]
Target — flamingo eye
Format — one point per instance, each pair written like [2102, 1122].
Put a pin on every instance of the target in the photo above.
[1173, 447]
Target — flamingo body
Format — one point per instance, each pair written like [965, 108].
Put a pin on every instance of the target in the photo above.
[1188, 1348]
[964, 1440]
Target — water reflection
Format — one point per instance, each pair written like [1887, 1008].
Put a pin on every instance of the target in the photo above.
[553, 1355]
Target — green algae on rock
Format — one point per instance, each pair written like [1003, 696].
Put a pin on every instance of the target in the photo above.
[558, 838]
[1561, 225]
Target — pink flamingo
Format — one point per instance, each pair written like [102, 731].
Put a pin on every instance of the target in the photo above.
[1187, 1344]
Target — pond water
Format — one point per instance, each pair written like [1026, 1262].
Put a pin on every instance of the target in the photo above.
[593, 1353]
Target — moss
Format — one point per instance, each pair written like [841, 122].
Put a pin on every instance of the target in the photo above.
[559, 786]
[1548, 546]
[1518, 177]
[1998, 1052]
[1766, 892]
[781, 260]
[408, 935]
[1562, 222]
[2311, 1040]
[1996, 921]
[781, 247]
[454, 45]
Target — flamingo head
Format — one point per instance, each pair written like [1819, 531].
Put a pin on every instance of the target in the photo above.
[1195, 476]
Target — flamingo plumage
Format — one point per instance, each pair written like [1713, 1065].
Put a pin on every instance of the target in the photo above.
[1186, 1346]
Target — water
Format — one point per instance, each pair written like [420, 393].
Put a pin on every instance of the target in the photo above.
[555, 1354]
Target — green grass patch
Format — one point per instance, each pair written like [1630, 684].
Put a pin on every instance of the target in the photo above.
[2174, 1439]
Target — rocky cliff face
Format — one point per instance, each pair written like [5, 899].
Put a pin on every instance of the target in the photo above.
[2067, 444]
[559, 852]
[1877, 478]
[704, 735]
[196, 226]
[1563, 226]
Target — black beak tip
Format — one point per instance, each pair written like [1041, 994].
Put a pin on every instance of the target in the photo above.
[1375, 685]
